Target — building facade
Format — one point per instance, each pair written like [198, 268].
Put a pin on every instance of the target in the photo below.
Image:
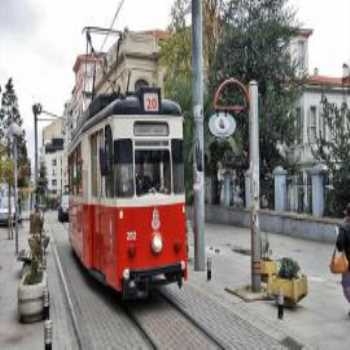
[53, 158]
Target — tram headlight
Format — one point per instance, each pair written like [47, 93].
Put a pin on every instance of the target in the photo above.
[183, 265]
[157, 243]
[126, 274]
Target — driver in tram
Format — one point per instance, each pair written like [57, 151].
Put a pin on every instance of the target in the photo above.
[143, 182]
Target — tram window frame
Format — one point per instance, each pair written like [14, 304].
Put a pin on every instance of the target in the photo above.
[177, 157]
[153, 171]
[94, 164]
[123, 168]
[109, 148]
[75, 172]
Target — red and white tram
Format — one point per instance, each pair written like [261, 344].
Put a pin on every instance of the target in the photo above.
[127, 202]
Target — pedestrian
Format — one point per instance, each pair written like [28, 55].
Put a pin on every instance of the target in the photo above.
[343, 245]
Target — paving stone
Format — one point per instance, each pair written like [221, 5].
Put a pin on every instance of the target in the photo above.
[103, 323]
[232, 330]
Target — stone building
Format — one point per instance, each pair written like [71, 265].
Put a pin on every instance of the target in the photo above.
[53, 158]
[133, 61]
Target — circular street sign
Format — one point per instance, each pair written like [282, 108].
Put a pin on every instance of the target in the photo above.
[222, 125]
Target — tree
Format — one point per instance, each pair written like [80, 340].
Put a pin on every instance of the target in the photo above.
[42, 182]
[176, 57]
[332, 148]
[255, 46]
[9, 112]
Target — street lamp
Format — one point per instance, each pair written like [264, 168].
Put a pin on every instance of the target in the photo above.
[37, 110]
[15, 131]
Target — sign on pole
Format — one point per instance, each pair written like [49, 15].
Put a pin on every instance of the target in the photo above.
[222, 125]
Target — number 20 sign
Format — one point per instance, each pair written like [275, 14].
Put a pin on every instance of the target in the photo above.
[151, 102]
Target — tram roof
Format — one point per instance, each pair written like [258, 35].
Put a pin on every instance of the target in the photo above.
[105, 106]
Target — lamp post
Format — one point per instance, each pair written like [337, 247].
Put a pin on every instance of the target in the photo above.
[14, 132]
[37, 110]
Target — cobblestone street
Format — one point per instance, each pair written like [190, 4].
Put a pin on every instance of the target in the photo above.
[200, 315]
[104, 322]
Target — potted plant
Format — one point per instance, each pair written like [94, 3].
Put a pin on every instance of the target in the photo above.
[268, 265]
[289, 282]
[34, 281]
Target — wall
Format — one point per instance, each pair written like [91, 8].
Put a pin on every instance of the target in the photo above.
[289, 224]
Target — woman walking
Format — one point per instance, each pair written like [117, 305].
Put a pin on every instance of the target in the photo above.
[343, 245]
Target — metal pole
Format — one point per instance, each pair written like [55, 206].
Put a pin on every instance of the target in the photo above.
[198, 162]
[35, 156]
[16, 193]
[255, 185]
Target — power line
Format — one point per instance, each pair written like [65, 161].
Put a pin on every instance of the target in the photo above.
[112, 24]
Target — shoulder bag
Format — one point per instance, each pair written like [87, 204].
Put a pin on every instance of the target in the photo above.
[339, 262]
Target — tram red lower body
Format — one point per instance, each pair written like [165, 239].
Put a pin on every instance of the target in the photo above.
[110, 240]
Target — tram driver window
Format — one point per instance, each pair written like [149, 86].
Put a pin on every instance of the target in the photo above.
[152, 171]
[178, 165]
[123, 168]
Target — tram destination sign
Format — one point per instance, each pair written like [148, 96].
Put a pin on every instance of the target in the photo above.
[222, 125]
[150, 100]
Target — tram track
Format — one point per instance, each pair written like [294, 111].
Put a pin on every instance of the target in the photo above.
[100, 318]
[158, 321]
[167, 325]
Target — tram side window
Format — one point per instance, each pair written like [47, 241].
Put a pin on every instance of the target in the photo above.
[123, 168]
[178, 166]
[109, 158]
[75, 172]
[93, 145]
[153, 172]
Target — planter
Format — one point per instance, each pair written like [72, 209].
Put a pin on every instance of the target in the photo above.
[293, 290]
[268, 269]
[31, 300]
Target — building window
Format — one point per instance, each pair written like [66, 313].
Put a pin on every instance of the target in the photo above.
[141, 83]
[54, 183]
[323, 125]
[312, 124]
[53, 172]
[299, 126]
[54, 162]
[301, 54]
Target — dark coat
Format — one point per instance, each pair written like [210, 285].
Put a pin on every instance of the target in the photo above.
[343, 239]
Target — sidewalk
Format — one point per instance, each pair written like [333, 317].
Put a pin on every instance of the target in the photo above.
[13, 334]
[320, 320]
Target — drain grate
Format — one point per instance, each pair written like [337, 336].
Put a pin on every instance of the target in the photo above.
[291, 344]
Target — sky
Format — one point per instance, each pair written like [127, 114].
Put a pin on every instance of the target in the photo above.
[39, 40]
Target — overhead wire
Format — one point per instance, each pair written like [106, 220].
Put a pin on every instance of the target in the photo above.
[121, 3]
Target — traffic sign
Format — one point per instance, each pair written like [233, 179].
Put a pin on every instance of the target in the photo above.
[222, 125]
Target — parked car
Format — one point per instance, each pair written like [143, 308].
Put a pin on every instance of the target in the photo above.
[63, 209]
[4, 210]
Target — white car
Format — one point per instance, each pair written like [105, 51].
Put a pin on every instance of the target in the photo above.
[4, 209]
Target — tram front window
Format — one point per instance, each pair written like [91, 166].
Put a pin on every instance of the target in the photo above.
[152, 171]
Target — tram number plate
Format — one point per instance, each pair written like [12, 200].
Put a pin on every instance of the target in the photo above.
[151, 102]
[131, 236]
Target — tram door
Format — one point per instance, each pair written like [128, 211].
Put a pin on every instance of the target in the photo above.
[96, 193]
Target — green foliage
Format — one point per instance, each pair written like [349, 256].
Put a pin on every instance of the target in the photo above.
[332, 148]
[255, 46]
[9, 112]
[289, 269]
[176, 57]
[35, 273]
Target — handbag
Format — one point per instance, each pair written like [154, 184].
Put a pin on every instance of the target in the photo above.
[339, 263]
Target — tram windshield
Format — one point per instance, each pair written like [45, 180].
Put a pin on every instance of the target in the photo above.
[152, 172]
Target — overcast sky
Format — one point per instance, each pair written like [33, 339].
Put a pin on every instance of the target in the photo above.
[39, 40]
